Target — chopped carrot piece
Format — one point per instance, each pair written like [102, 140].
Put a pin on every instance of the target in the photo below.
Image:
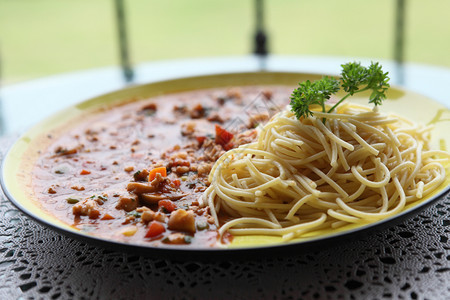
[85, 172]
[160, 170]
[107, 217]
[155, 228]
[167, 205]
[176, 182]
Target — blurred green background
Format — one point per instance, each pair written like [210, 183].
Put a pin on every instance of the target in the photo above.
[43, 37]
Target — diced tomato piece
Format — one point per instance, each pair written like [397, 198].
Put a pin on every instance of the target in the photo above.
[155, 228]
[160, 170]
[167, 204]
[200, 140]
[85, 172]
[223, 137]
[228, 146]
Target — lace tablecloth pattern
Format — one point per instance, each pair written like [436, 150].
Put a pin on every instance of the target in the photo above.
[407, 261]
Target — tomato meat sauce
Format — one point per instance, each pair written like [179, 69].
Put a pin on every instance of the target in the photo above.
[135, 172]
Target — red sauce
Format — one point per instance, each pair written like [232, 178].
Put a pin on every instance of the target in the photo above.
[97, 176]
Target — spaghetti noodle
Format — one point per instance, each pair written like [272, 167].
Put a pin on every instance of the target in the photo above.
[305, 175]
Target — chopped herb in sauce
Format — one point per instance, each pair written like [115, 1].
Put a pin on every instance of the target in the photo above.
[202, 225]
[72, 200]
[134, 214]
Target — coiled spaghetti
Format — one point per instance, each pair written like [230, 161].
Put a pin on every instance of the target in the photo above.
[304, 175]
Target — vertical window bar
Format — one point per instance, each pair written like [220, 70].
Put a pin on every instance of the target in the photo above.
[399, 43]
[123, 42]
[260, 35]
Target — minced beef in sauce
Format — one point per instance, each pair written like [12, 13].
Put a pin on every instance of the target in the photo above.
[135, 172]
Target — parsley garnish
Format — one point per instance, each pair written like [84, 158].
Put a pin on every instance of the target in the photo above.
[309, 93]
[354, 79]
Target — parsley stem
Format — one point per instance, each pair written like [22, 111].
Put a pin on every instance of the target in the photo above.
[345, 97]
[323, 110]
[339, 102]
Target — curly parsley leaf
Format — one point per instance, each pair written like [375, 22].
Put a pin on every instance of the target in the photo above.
[309, 93]
[354, 79]
[353, 75]
[378, 82]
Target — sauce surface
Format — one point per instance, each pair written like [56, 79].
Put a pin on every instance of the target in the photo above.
[134, 172]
